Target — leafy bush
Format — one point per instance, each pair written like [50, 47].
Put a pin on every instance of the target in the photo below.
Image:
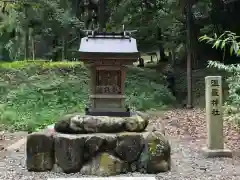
[232, 105]
[34, 94]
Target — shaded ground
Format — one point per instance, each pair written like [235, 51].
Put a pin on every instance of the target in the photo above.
[187, 134]
[191, 124]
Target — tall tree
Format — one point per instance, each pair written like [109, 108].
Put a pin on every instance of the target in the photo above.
[189, 53]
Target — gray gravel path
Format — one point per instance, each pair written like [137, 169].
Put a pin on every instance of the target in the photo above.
[187, 164]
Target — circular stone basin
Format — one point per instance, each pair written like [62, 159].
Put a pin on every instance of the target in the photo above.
[82, 124]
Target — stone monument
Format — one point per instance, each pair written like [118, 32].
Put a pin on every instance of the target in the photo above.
[215, 139]
[108, 139]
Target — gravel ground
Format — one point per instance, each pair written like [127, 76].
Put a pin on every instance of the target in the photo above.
[187, 131]
[187, 163]
[7, 138]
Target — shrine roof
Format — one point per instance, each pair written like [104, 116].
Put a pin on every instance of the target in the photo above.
[109, 45]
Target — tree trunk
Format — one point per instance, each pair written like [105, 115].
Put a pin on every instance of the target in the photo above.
[33, 45]
[64, 47]
[160, 45]
[78, 8]
[173, 57]
[54, 45]
[216, 15]
[26, 51]
[189, 56]
[26, 48]
[102, 7]
[195, 31]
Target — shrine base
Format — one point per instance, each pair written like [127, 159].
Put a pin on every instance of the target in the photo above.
[211, 153]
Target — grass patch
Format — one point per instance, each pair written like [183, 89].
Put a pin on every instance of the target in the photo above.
[34, 94]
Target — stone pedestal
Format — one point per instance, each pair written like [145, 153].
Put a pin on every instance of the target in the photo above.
[99, 146]
[215, 139]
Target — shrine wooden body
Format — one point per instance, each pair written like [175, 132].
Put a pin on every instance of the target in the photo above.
[107, 57]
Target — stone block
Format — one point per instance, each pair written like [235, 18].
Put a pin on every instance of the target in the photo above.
[39, 152]
[135, 123]
[155, 156]
[69, 152]
[211, 153]
[129, 146]
[99, 142]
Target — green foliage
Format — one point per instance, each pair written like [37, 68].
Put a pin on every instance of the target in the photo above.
[44, 20]
[63, 19]
[232, 105]
[34, 94]
[146, 17]
[227, 39]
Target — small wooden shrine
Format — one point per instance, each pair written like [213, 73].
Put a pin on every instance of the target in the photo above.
[106, 55]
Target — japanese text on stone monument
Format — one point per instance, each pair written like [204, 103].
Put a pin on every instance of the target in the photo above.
[215, 100]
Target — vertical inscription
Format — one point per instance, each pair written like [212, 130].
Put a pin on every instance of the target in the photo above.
[215, 97]
[214, 111]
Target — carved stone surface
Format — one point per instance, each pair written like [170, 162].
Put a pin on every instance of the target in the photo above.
[108, 82]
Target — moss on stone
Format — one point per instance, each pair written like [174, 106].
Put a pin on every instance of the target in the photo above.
[105, 161]
[136, 123]
[152, 144]
[107, 165]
